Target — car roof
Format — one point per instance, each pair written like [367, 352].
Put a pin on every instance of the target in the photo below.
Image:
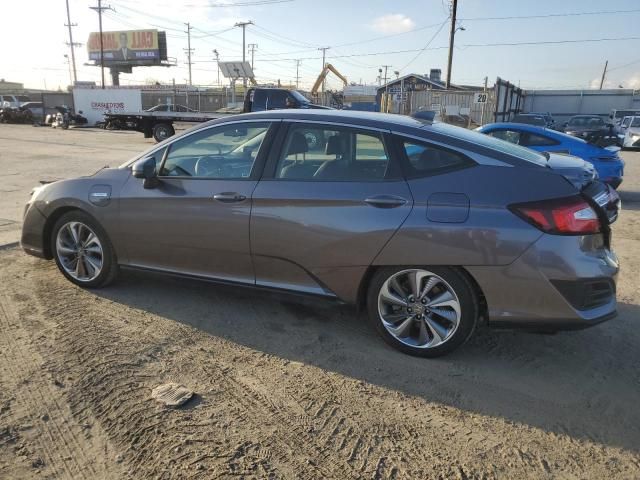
[385, 121]
[520, 126]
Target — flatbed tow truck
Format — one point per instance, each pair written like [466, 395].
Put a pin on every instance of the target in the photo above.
[160, 125]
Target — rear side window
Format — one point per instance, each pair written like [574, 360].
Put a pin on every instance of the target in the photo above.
[534, 140]
[425, 159]
[332, 154]
[511, 136]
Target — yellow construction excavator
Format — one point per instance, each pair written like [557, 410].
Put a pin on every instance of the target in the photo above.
[325, 71]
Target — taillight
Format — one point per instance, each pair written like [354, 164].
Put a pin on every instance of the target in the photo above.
[561, 216]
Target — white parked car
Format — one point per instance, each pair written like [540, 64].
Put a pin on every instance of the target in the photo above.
[13, 101]
[630, 132]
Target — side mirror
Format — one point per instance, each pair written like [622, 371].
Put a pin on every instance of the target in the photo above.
[146, 169]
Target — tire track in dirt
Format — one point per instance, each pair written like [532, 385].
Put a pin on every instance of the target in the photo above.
[257, 415]
[20, 363]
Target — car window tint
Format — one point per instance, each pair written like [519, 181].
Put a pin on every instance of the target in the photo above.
[227, 151]
[332, 154]
[510, 136]
[535, 140]
[425, 159]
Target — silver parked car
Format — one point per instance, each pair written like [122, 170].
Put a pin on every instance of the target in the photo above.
[429, 228]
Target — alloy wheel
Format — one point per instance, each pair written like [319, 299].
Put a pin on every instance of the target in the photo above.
[419, 308]
[79, 251]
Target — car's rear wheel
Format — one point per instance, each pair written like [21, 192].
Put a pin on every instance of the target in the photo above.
[82, 250]
[422, 311]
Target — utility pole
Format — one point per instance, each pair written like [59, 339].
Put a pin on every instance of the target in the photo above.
[386, 87]
[99, 9]
[189, 50]
[324, 55]
[69, 65]
[252, 49]
[297, 74]
[215, 52]
[71, 44]
[604, 73]
[244, 48]
[452, 34]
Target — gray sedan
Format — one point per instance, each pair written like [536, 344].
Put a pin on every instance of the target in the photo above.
[430, 229]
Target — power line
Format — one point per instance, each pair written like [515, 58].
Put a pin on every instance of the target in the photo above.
[574, 14]
[427, 45]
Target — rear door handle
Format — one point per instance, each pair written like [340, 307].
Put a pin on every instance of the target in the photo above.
[385, 201]
[229, 197]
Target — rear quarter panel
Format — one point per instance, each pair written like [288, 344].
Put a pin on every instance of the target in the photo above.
[489, 235]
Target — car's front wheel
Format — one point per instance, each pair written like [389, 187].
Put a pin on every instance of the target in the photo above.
[82, 250]
[422, 311]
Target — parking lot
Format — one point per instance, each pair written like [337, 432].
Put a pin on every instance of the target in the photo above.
[286, 387]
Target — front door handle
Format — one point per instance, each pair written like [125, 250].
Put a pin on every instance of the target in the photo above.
[229, 197]
[385, 201]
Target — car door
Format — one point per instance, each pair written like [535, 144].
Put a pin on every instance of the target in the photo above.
[324, 209]
[196, 221]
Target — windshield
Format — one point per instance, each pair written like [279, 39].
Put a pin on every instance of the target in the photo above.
[490, 142]
[529, 119]
[586, 122]
[299, 97]
[22, 98]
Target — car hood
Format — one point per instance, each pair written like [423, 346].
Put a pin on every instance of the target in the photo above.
[576, 170]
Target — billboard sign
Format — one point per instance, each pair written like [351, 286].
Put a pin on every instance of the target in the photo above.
[128, 47]
[95, 102]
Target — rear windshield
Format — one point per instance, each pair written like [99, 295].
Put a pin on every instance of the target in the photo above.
[490, 142]
[529, 119]
[586, 122]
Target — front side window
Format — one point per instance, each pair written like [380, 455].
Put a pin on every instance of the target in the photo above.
[227, 151]
[332, 154]
[636, 122]
[426, 159]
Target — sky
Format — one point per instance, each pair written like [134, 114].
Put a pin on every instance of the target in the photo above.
[411, 36]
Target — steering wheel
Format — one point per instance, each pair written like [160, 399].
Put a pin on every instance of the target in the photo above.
[209, 166]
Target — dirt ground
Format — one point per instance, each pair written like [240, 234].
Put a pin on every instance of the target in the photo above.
[286, 388]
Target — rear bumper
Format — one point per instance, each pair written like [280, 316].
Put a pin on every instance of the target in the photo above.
[544, 288]
[33, 228]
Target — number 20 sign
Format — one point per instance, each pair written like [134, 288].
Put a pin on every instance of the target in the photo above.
[480, 97]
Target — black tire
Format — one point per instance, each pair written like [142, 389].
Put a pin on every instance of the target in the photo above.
[162, 131]
[109, 270]
[463, 289]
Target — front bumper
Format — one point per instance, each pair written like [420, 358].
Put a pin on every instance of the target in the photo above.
[33, 230]
[538, 290]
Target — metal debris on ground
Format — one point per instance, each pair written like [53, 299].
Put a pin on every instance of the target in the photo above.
[171, 394]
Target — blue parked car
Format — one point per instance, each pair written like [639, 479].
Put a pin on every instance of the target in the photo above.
[608, 164]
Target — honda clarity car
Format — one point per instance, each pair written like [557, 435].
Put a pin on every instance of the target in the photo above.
[606, 161]
[430, 229]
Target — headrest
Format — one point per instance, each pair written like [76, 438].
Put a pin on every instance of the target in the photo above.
[298, 144]
[335, 145]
